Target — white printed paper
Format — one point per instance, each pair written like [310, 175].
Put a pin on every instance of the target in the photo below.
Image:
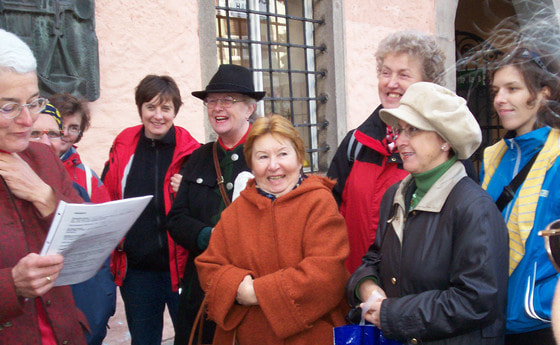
[85, 234]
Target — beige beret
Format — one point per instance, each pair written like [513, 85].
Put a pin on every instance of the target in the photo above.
[432, 107]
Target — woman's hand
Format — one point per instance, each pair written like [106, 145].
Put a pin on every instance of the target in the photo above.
[373, 314]
[367, 287]
[35, 274]
[176, 182]
[25, 184]
[246, 292]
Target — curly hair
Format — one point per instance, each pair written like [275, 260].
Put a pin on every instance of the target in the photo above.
[419, 45]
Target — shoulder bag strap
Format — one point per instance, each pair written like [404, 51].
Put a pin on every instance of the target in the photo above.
[220, 177]
[509, 191]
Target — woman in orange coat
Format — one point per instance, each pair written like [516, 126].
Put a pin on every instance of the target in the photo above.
[274, 270]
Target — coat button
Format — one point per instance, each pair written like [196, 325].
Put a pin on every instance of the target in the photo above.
[7, 324]
[414, 341]
[199, 180]
[65, 342]
[393, 159]
[394, 281]
[229, 186]
[48, 302]
[234, 157]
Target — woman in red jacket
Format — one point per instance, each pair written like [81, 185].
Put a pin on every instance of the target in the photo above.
[141, 162]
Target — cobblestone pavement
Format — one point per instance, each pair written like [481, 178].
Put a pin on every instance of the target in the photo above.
[118, 333]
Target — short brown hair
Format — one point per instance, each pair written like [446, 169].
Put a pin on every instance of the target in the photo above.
[277, 126]
[154, 85]
[69, 105]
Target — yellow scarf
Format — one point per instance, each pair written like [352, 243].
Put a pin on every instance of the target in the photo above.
[522, 217]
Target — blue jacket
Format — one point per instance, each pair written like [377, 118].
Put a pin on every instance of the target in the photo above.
[532, 283]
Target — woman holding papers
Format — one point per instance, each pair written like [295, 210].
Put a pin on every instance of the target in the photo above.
[148, 264]
[33, 180]
[96, 297]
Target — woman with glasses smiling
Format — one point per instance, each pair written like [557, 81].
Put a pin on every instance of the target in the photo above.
[439, 263]
[230, 99]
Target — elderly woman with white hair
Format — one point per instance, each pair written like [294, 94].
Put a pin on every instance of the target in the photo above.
[439, 265]
[32, 182]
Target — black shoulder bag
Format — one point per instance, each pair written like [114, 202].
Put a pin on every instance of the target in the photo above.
[509, 191]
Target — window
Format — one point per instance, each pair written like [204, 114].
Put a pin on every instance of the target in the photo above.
[275, 39]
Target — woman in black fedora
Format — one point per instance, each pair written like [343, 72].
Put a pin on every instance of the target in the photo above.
[230, 99]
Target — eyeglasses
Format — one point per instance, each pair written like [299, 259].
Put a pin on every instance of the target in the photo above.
[52, 135]
[551, 237]
[72, 130]
[12, 110]
[226, 102]
[410, 131]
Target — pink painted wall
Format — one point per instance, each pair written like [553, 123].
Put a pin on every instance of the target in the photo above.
[366, 23]
[137, 38]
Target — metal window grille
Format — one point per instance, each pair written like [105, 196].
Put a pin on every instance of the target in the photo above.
[275, 39]
[473, 85]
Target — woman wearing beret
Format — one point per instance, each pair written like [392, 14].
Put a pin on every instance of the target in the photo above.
[439, 261]
[230, 99]
[274, 269]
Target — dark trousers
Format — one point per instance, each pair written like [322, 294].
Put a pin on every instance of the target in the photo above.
[190, 300]
[540, 337]
[145, 295]
[97, 298]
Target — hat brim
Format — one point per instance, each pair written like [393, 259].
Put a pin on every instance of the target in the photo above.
[405, 113]
[257, 96]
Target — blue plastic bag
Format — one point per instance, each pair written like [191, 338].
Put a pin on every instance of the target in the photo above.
[361, 335]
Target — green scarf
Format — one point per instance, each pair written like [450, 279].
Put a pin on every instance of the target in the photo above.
[424, 181]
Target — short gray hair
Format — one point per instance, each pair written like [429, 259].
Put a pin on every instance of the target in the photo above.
[15, 55]
[414, 43]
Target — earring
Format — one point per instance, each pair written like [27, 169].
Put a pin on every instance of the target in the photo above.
[443, 147]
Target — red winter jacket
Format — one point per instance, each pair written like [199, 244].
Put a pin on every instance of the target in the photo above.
[115, 176]
[364, 170]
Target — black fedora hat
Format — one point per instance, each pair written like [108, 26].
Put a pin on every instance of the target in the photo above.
[231, 78]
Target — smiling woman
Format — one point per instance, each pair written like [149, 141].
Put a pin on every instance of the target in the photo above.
[230, 99]
[142, 161]
[526, 87]
[284, 280]
[440, 236]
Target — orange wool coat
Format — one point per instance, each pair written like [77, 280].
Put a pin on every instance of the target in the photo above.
[294, 248]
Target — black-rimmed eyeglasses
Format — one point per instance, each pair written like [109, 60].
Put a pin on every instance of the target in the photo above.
[551, 237]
